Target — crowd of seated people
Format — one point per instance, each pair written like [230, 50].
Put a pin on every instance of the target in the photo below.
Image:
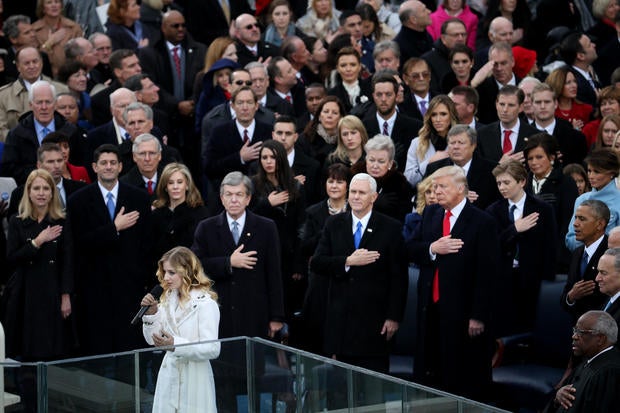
[148, 114]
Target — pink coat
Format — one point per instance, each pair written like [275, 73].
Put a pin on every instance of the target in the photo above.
[467, 16]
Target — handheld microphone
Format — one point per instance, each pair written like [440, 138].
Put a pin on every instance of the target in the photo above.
[156, 293]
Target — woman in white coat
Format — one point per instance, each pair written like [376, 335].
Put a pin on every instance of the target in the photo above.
[187, 313]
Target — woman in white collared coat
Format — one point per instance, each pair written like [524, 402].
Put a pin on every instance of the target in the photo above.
[187, 313]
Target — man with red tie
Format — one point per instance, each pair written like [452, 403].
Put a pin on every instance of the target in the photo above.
[457, 249]
[505, 138]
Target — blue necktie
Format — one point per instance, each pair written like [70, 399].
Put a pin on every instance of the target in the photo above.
[127, 136]
[110, 205]
[357, 236]
[235, 232]
[423, 107]
[584, 263]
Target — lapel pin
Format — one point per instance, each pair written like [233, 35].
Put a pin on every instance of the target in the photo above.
[248, 234]
[369, 229]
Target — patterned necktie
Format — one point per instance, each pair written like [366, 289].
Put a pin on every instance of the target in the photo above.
[110, 205]
[445, 231]
[423, 107]
[246, 137]
[149, 187]
[357, 236]
[507, 146]
[177, 60]
[385, 128]
[235, 232]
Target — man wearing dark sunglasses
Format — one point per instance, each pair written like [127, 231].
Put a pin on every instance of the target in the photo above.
[250, 47]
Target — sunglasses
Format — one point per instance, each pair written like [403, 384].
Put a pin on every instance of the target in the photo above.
[177, 25]
[251, 26]
[243, 82]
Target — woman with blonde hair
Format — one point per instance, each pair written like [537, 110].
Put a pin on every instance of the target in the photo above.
[187, 313]
[424, 198]
[321, 20]
[431, 143]
[177, 210]
[41, 253]
[352, 137]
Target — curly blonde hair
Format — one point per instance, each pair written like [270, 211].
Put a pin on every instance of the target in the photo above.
[427, 128]
[188, 266]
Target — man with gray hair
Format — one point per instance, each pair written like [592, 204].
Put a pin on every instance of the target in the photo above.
[457, 249]
[241, 253]
[613, 238]
[413, 39]
[386, 55]
[362, 253]
[593, 386]
[14, 96]
[146, 151]
[20, 149]
[267, 98]
[462, 142]
[608, 279]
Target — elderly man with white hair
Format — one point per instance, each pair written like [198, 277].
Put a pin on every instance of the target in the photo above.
[20, 149]
[361, 251]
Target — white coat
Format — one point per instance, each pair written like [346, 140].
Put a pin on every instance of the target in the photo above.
[185, 380]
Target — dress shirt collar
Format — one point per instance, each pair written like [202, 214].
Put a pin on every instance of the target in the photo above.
[418, 99]
[172, 46]
[467, 166]
[146, 180]
[364, 220]
[456, 211]
[512, 81]
[549, 128]
[104, 192]
[291, 158]
[520, 204]
[583, 73]
[51, 127]
[250, 129]
[591, 249]
[391, 121]
[240, 221]
[614, 297]
[263, 101]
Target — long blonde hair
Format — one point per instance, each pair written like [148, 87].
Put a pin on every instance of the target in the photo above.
[192, 197]
[427, 128]
[54, 209]
[188, 266]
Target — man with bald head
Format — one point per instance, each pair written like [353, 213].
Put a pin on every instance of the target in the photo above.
[113, 131]
[413, 39]
[14, 96]
[250, 47]
[500, 30]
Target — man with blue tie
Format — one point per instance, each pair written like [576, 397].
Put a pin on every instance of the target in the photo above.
[581, 292]
[20, 149]
[362, 252]
[608, 279]
[110, 223]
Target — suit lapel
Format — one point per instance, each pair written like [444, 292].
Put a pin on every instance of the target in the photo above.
[461, 222]
[368, 234]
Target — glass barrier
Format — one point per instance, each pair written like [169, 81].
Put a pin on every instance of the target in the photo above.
[232, 375]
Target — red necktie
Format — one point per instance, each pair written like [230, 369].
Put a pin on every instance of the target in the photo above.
[177, 60]
[507, 147]
[446, 231]
[149, 187]
[288, 98]
[246, 137]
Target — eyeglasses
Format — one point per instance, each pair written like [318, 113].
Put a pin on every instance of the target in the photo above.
[243, 82]
[420, 75]
[579, 332]
[251, 26]
[177, 25]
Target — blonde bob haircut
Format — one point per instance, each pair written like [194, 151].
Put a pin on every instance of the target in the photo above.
[54, 209]
[187, 265]
[192, 195]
